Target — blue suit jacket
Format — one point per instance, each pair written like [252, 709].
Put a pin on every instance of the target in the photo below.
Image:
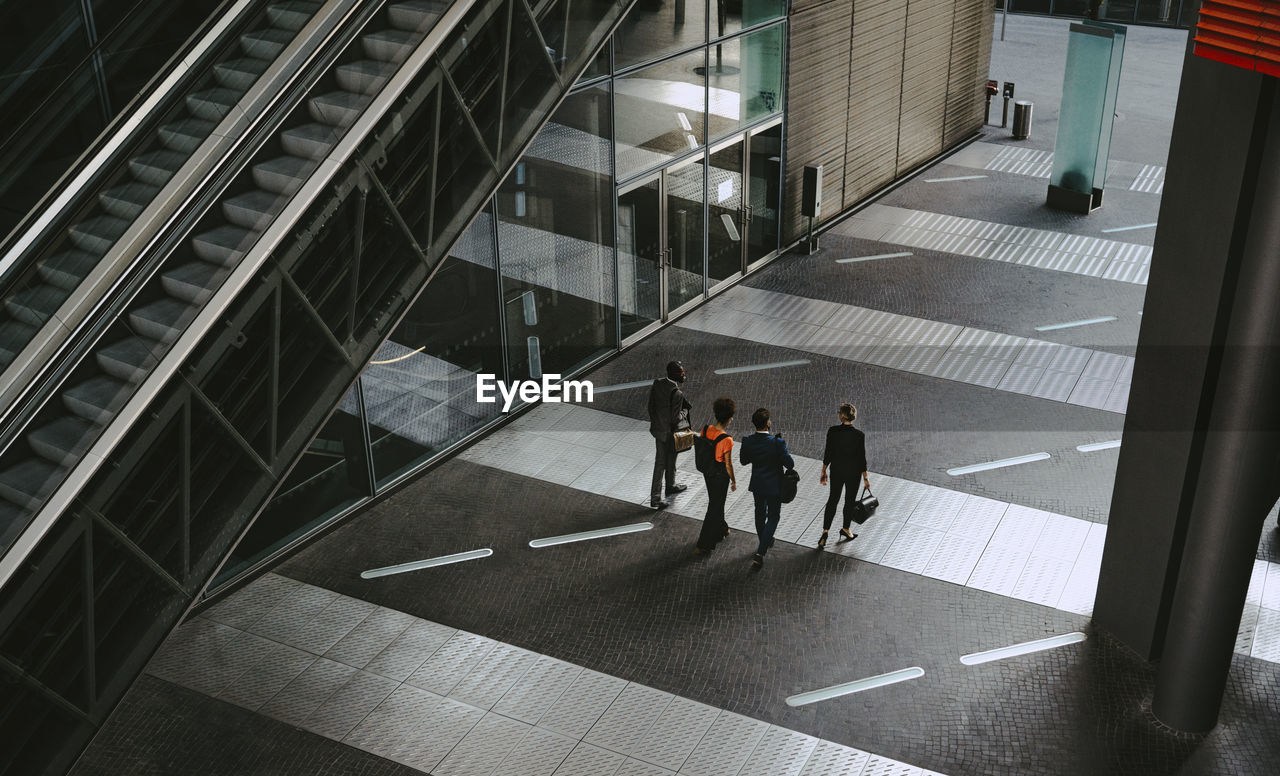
[768, 456]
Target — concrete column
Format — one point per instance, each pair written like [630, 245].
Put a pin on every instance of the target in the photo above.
[1235, 483]
[1196, 261]
[1198, 467]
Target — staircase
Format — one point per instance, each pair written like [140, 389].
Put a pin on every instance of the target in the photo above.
[30, 301]
[201, 381]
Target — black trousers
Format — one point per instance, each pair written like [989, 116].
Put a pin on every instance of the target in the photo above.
[714, 525]
[848, 482]
[664, 465]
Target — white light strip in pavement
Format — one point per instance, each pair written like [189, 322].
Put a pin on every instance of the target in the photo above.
[1128, 228]
[1025, 648]
[957, 178]
[733, 370]
[443, 560]
[599, 533]
[623, 386]
[1092, 446]
[1073, 324]
[869, 683]
[873, 258]
[982, 467]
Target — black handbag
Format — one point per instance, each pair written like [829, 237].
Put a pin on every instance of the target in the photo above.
[865, 506]
[789, 485]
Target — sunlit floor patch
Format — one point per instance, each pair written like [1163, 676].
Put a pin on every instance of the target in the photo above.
[1003, 462]
[1073, 324]
[443, 560]
[622, 386]
[1092, 446]
[756, 367]
[859, 685]
[873, 258]
[599, 533]
[1025, 648]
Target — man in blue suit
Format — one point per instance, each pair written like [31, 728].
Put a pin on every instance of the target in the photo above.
[768, 457]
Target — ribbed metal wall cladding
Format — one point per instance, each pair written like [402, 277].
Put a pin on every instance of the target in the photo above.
[913, 75]
[970, 63]
[875, 97]
[820, 51]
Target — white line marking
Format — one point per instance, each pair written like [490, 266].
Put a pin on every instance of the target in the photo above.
[1025, 648]
[957, 178]
[1073, 324]
[1092, 446]
[443, 560]
[551, 541]
[859, 685]
[624, 386]
[1127, 228]
[755, 367]
[982, 467]
[872, 258]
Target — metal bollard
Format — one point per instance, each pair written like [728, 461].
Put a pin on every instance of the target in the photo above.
[1022, 119]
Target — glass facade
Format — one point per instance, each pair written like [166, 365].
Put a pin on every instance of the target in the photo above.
[616, 215]
[1177, 13]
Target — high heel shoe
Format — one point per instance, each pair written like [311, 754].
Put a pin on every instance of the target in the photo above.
[822, 540]
[844, 532]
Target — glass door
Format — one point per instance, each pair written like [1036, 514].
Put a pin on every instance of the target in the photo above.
[640, 255]
[764, 188]
[684, 200]
[727, 213]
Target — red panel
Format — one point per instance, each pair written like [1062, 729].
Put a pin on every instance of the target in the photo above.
[1241, 33]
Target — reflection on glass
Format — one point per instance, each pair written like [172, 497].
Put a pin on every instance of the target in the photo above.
[640, 256]
[745, 80]
[660, 113]
[555, 240]
[732, 16]
[685, 198]
[332, 474]
[653, 28]
[420, 388]
[764, 188]
[726, 214]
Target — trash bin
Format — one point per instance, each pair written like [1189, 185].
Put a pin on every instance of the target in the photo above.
[1022, 119]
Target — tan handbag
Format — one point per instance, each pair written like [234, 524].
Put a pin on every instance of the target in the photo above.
[683, 439]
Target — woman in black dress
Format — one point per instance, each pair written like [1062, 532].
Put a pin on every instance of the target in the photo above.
[846, 454]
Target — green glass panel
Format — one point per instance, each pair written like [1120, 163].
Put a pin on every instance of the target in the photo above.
[555, 237]
[661, 113]
[1081, 122]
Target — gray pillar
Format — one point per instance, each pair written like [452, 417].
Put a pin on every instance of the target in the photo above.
[1234, 485]
[1198, 467]
[1183, 325]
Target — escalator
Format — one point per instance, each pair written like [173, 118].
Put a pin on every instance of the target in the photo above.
[175, 406]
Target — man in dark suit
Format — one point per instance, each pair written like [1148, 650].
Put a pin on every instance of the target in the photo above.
[668, 411]
[768, 456]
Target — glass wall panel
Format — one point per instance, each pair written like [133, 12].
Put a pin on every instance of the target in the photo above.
[686, 198]
[661, 113]
[765, 189]
[1158, 11]
[726, 214]
[332, 475]
[655, 28]
[640, 255]
[420, 388]
[745, 79]
[555, 238]
[732, 16]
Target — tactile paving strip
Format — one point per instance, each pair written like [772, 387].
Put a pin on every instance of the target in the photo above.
[628, 719]
[675, 733]
[831, 759]
[726, 746]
